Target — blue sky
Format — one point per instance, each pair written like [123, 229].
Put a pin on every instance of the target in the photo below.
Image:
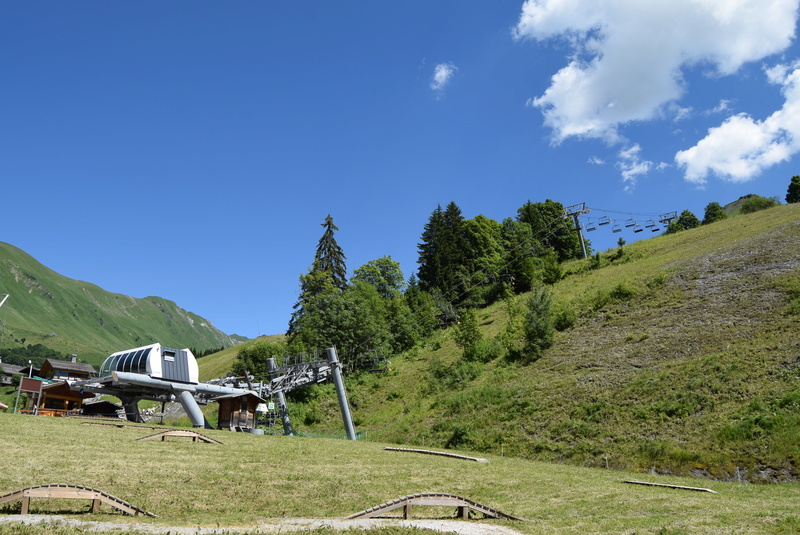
[191, 150]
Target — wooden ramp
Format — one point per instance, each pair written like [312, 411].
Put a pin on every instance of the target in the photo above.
[62, 490]
[194, 435]
[442, 453]
[463, 506]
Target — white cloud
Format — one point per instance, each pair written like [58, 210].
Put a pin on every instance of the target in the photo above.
[723, 106]
[594, 160]
[679, 112]
[628, 54]
[632, 165]
[442, 74]
[742, 147]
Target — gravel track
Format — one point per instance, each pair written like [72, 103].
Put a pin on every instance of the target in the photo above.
[278, 525]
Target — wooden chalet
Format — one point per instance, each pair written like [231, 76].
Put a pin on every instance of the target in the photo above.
[64, 370]
[237, 412]
[57, 399]
[10, 370]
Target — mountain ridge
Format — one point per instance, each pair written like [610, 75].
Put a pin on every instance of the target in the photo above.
[79, 317]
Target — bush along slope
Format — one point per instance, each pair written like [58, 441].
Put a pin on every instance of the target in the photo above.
[679, 354]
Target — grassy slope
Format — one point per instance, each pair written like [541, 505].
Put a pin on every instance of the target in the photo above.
[250, 479]
[78, 317]
[684, 360]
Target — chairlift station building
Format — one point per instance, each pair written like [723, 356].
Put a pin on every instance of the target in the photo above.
[155, 373]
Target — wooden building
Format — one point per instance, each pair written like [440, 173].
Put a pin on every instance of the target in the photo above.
[237, 412]
[57, 399]
[63, 370]
[10, 370]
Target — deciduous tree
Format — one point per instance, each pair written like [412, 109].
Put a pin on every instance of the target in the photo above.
[384, 274]
[551, 228]
[714, 212]
[687, 220]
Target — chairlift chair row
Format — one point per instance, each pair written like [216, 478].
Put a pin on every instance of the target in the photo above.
[617, 227]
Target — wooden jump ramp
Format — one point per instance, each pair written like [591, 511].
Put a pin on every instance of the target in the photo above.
[442, 453]
[463, 506]
[62, 490]
[194, 435]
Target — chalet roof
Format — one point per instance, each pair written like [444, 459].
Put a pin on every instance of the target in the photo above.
[67, 366]
[101, 403]
[11, 369]
[239, 395]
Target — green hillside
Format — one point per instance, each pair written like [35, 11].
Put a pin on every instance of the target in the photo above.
[77, 317]
[683, 358]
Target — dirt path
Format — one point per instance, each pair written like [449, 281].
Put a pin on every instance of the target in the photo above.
[278, 525]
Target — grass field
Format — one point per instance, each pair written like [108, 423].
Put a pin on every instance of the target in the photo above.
[250, 478]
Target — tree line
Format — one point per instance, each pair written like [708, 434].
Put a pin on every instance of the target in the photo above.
[463, 264]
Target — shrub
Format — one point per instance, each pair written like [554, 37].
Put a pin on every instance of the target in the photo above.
[460, 436]
[757, 202]
[623, 291]
[551, 271]
[455, 376]
[484, 351]
[539, 330]
[564, 319]
[657, 282]
[467, 333]
[600, 299]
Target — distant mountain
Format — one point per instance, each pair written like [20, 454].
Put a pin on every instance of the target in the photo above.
[76, 317]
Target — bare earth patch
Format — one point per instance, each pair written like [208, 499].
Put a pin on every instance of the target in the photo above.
[281, 525]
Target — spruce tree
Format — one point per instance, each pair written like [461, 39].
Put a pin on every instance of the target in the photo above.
[430, 257]
[330, 257]
[793, 193]
[328, 273]
[442, 251]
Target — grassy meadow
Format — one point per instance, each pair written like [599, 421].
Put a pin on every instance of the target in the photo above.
[252, 479]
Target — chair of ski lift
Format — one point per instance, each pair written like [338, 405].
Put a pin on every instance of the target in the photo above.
[590, 227]
[650, 223]
[655, 228]
[638, 228]
[630, 223]
[616, 228]
[604, 220]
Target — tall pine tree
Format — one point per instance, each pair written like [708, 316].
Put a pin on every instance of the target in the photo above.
[330, 257]
[328, 273]
[442, 251]
[793, 192]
